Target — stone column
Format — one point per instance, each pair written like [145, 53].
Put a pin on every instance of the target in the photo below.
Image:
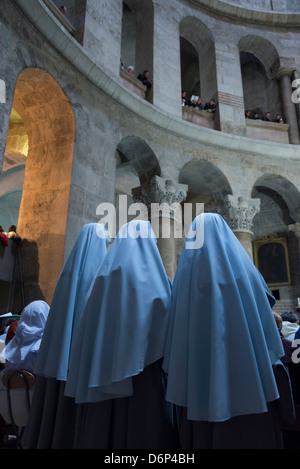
[239, 213]
[98, 26]
[163, 198]
[284, 75]
[166, 61]
[296, 76]
[158, 50]
[230, 114]
[143, 11]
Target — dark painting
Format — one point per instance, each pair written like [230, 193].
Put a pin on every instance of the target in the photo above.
[272, 263]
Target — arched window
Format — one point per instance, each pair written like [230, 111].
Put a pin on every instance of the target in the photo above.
[259, 63]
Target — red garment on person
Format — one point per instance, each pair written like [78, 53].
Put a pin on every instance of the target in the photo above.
[4, 239]
[11, 331]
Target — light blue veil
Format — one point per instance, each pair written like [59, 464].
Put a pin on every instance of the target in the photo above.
[222, 339]
[70, 293]
[124, 323]
[22, 350]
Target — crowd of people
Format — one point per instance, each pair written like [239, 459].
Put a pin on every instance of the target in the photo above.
[143, 77]
[126, 359]
[266, 117]
[196, 102]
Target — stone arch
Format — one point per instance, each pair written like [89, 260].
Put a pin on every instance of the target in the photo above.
[140, 156]
[197, 45]
[277, 191]
[278, 219]
[206, 184]
[136, 165]
[263, 50]
[259, 65]
[50, 125]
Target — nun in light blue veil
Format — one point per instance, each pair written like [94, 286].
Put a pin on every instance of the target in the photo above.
[22, 350]
[52, 414]
[115, 368]
[222, 344]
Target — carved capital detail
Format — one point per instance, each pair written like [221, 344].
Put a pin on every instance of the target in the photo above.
[159, 191]
[284, 72]
[295, 228]
[240, 211]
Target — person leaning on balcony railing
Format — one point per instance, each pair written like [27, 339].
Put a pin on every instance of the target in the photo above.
[278, 119]
[184, 98]
[63, 9]
[199, 104]
[210, 106]
[256, 116]
[192, 101]
[144, 78]
[130, 69]
[267, 117]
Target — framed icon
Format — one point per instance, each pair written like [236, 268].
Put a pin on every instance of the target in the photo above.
[272, 260]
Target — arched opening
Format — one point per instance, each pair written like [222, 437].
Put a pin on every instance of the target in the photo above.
[285, 190]
[198, 59]
[36, 177]
[207, 185]
[136, 164]
[259, 64]
[190, 69]
[275, 246]
[137, 45]
[128, 40]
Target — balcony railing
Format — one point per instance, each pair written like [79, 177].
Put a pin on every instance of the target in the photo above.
[133, 84]
[264, 130]
[60, 17]
[199, 117]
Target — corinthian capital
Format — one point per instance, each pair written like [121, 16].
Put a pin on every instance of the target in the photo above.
[295, 228]
[160, 190]
[240, 211]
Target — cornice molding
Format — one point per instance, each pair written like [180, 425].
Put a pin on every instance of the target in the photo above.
[244, 15]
